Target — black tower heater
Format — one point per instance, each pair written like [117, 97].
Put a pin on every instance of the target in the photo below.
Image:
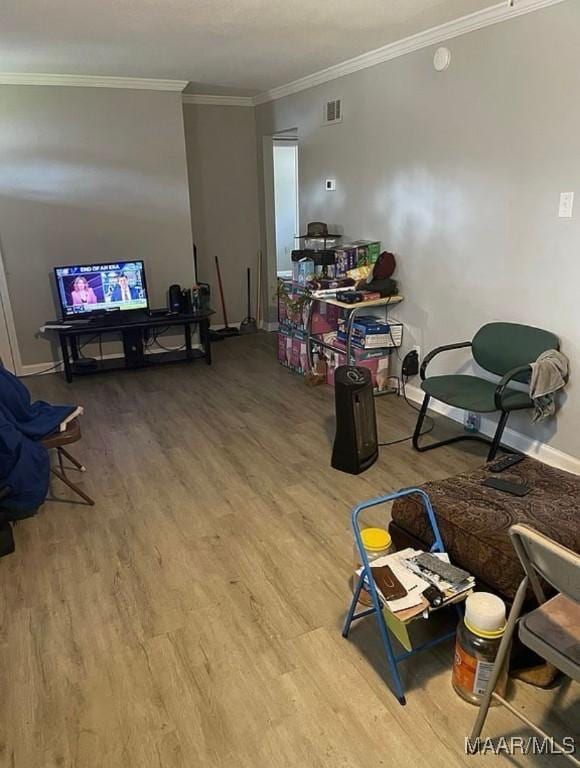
[356, 443]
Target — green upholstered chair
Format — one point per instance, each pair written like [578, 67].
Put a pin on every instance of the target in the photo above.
[503, 349]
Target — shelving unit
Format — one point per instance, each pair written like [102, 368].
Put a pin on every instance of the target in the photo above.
[353, 309]
[299, 325]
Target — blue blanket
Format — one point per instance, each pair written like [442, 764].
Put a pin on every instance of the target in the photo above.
[34, 420]
[25, 469]
[24, 461]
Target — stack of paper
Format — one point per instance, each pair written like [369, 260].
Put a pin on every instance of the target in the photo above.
[414, 604]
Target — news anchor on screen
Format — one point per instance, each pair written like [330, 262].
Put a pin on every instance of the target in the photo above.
[123, 291]
[82, 293]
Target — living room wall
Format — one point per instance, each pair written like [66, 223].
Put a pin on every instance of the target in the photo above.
[459, 173]
[223, 184]
[89, 174]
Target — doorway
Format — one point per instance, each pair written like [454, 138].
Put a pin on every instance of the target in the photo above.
[285, 168]
[9, 353]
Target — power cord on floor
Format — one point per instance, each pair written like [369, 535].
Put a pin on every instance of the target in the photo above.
[428, 419]
[40, 373]
[162, 332]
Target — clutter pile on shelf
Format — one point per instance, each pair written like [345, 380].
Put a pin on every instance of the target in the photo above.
[321, 324]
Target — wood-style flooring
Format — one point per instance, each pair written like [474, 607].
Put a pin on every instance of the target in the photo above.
[192, 617]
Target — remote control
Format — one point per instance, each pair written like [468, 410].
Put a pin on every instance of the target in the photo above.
[516, 489]
[507, 461]
[440, 568]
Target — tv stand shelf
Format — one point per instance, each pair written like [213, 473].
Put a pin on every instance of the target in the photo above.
[134, 333]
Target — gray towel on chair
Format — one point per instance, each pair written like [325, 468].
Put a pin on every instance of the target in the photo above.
[549, 374]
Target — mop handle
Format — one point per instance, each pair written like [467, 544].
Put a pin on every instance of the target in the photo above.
[219, 277]
[249, 299]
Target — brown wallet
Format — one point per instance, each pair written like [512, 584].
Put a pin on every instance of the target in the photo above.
[389, 585]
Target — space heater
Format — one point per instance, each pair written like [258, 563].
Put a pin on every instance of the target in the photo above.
[356, 443]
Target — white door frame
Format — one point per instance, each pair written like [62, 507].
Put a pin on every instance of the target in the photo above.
[269, 210]
[10, 351]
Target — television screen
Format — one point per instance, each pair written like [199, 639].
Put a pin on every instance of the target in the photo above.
[96, 287]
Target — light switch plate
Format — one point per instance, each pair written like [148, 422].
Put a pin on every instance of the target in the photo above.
[566, 205]
[330, 185]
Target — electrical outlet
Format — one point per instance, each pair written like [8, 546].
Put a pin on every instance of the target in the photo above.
[566, 208]
[472, 422]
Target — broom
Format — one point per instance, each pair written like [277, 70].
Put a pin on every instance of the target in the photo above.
[227, 330]
[248, 324]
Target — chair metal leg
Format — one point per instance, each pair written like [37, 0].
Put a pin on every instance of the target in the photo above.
[500, 659]
[378, 611]
[419, 424]
[496, 442]
[400, 693]
[353, 604]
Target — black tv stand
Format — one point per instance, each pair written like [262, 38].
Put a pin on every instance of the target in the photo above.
[136, 332]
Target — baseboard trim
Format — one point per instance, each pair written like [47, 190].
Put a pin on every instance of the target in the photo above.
[269, 326]
[523, 443]
[36, 369]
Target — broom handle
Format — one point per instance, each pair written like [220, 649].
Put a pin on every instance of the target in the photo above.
[219, 277]
[259, 288]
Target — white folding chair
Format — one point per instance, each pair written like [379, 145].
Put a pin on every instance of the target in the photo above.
[553, 629]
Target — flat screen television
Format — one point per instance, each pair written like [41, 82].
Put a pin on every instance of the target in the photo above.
[87, 288]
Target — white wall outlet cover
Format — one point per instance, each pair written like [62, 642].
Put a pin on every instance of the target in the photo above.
[565, 210]
[330, 185]
[442, 59]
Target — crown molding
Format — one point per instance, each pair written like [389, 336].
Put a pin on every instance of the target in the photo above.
[493, 15]
[91, 81]
[218, 101]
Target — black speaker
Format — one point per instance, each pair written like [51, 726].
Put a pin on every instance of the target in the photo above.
[355, 444]
[174, 299]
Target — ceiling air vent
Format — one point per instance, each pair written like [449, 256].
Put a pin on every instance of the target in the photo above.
[333, 112]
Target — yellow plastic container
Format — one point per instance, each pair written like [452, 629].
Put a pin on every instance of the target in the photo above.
[377, 543]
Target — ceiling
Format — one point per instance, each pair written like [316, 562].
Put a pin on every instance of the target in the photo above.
[236, 46]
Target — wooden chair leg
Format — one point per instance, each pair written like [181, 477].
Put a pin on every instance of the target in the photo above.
[63, 477]
[73, 486]
[60, 461]
[74, 461]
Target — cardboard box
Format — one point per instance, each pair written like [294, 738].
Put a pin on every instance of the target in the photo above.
[298, 358]
[282, 310]
[346, 258]
[302, 270]
[371, 332]
[284, 346]
[367, 252]
[375, 360]
[324, 317]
